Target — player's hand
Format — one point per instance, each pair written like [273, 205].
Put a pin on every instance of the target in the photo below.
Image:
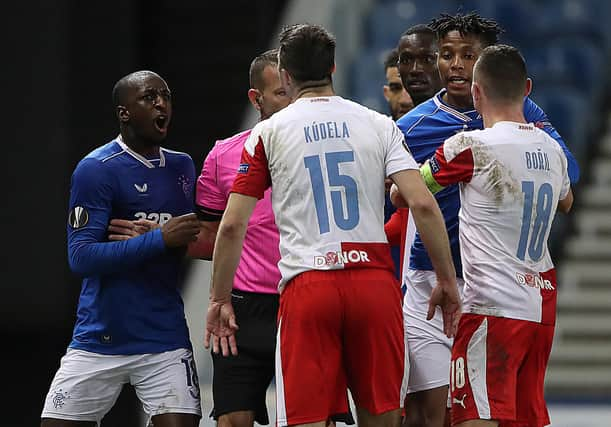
[123, 229]
[180, 230]
[447, 298]
[221, 327]
[396, 198]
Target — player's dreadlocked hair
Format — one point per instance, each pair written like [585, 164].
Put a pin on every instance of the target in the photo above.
[487, 30]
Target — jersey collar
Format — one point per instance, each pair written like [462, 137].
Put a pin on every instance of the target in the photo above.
[146, 162]
[465, 116]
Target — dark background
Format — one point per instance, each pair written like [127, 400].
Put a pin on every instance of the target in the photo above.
[59, 64]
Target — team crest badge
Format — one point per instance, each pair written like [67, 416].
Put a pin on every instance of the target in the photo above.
[186, 185]
[59, 398]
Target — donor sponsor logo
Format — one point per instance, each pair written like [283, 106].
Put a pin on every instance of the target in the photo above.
[341, 257]
[534, 281]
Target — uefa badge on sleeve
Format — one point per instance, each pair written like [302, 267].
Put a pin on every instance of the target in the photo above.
[404, 142]
[78, 217]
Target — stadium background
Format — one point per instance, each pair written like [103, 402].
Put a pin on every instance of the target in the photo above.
[62, 58]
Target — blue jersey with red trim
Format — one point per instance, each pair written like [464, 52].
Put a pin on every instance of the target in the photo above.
[129, 301]
[426, 127]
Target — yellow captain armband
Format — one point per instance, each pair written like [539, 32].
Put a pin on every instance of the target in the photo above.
[429, 180]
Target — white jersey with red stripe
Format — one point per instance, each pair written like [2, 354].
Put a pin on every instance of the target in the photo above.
[326, 159]
[511, 179]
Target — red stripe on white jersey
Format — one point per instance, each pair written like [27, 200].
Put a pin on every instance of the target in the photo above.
[457, 169]
[253, 176]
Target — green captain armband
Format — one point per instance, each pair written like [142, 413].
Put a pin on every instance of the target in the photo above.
[429, 180]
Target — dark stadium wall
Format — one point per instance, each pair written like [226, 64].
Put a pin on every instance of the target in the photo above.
[59, 69]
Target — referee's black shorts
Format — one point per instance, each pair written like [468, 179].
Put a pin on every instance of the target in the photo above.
[240, 382]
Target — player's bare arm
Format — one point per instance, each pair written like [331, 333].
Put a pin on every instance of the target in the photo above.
[203, 247]
[431, 227]
[566, 204]
[220, 321]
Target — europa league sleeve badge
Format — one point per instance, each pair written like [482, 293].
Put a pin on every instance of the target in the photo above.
[78, 217]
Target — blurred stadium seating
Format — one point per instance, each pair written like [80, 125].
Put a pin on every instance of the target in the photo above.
[566, 44]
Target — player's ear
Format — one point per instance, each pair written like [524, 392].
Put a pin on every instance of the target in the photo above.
[476, 92]
[253, 97]
[333, 68]
[529, 87]
[285, 79]
[386, 92]
[122, 114]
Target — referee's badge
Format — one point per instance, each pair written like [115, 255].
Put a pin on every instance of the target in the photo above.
[78, 217]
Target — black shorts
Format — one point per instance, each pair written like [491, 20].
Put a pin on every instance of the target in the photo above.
[240, 383]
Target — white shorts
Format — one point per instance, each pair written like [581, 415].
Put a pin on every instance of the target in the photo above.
[429, 350]
[88, 384]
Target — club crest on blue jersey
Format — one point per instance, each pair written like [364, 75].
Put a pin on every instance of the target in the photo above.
[186, 185]
[78, 217]
[243, 168]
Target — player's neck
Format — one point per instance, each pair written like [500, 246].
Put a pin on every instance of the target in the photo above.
[315, 91]
[140, 146]
[458, 103]
[492, 116]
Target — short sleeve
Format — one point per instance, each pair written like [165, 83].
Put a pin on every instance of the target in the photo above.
[452, 163]
[398, 157]
[253, 176]
[209, 198]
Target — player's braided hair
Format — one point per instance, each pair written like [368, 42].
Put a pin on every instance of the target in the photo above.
[487, 30]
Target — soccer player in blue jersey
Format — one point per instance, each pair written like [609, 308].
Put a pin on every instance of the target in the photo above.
[399, 101]
[461, 38]
[130, 325]
[417, 63]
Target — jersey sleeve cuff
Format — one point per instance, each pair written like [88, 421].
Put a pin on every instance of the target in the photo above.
[157, 242]
[208, 214]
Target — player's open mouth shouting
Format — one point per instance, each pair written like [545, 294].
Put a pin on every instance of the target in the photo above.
[161, 123]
